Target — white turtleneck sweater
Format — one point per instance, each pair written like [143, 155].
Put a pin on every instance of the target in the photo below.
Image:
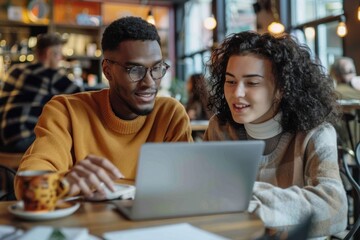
[298, 175]
[265, 130]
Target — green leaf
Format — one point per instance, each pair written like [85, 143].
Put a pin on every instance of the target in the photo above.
[57, 235]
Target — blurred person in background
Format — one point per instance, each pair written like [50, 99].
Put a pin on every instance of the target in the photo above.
[196, 106]
[26, 89]
[347, 85]
[344, 74]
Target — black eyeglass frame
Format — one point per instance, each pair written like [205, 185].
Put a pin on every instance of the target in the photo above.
[128, 69]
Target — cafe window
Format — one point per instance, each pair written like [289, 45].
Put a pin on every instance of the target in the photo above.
[330, 45]
[197, 39]
[240, 16]
[317, 28]
[309, 10]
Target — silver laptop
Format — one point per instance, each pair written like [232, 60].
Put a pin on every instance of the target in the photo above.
[184, 179]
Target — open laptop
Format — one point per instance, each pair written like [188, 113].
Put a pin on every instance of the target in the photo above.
[184, 179]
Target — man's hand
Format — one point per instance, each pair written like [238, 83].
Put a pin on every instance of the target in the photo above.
[88, 175]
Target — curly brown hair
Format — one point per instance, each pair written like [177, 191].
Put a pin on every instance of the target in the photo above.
[308, 96]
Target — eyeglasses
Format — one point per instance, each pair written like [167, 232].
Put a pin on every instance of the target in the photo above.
[137, 73]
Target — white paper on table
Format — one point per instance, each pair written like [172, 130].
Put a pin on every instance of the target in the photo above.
[44, 232]
[179, 231]
[9, 232]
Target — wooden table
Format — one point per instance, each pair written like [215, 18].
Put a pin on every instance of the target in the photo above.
[199, 125]
[349, 104]
[198, 128]
[102, 217]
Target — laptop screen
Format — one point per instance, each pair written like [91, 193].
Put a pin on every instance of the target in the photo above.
[182, 179]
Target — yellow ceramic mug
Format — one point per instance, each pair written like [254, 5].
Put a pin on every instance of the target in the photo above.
[40, 190]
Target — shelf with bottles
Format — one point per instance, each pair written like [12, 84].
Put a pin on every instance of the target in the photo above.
[84, 42]
[17, 42]
[21, 24]
[81, 22]
[82, 47]
[83, 37]
[25, 11]
[79, 13]
[84, 71]
[14, 58]
[19, 35]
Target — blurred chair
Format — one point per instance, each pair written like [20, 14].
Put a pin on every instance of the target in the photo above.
[10, 160]
[348, 118]
[348, 171]
[357, 154]
[7, 183]
[349, 128]
[9, 163]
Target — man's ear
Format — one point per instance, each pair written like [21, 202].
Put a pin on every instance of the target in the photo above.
[106, 71]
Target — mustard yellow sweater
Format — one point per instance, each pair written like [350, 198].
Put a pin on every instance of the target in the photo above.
[73, 126]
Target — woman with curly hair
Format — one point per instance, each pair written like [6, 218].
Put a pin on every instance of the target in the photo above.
[196, 106]
[268, 88]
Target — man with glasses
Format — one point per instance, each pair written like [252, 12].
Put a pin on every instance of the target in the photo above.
[95, 137]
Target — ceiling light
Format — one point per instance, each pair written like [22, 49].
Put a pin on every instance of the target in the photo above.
[150, 17]
[310, 33]
[341, 29]
[276, 27]
[210, 23]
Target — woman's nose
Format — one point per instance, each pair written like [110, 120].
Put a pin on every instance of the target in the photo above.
[240, 90]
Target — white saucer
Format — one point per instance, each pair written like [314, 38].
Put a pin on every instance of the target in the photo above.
[122, 191]
[18, 210]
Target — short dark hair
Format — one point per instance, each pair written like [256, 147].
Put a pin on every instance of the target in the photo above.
[128, 28]
[47, 40]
